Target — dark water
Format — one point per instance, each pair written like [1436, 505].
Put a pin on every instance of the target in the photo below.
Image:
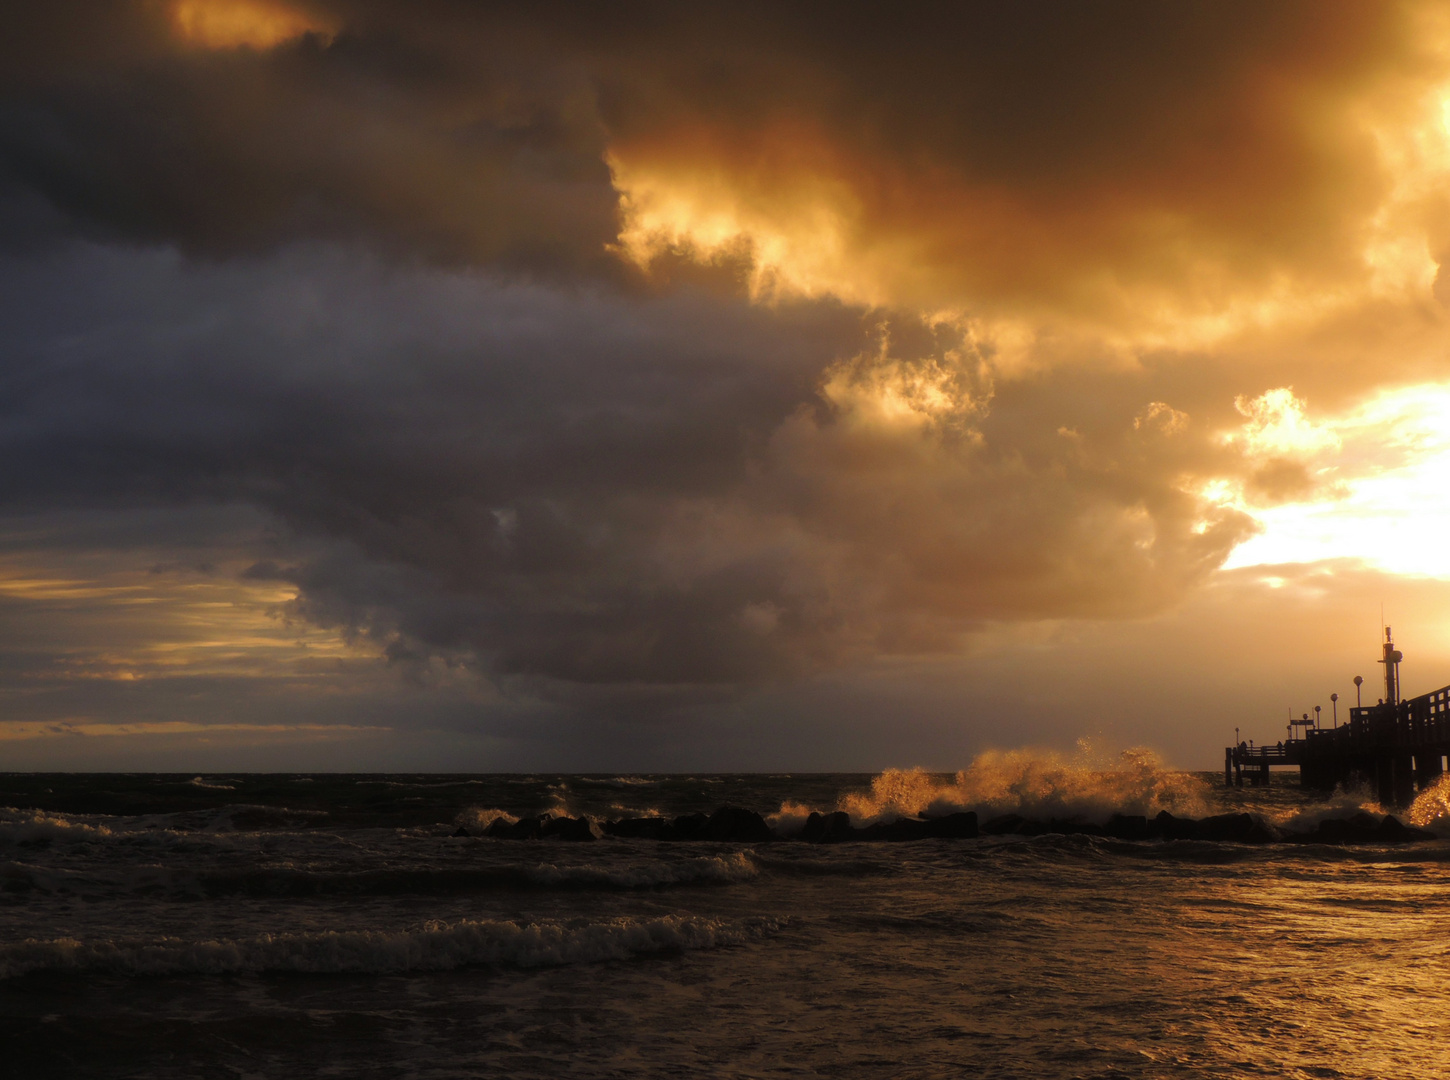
[283, 926]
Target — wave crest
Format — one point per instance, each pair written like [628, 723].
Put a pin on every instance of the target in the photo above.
[1036, 784]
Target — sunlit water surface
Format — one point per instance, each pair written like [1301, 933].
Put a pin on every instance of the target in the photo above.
[279, 926]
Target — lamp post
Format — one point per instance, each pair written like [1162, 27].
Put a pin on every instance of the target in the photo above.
[1316, 718]
[1358, 682]
[1334, 701]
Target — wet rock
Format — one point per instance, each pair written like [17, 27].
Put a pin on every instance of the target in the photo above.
[735, 824]
[1006, 825]
[1128, 827]
[526, 828]
[1014, 825]
[543, 826]
[832, 828]
[575, 830]
[1392, 831]
[1361, 828]
[894, 831]
[642, 828]
[960, 826]
[688, 825]
[1236, 829]
[461, 831]
[1168, 827]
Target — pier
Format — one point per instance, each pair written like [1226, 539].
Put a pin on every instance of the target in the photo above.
[1398, 746]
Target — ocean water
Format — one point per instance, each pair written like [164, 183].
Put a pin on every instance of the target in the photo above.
[330, 925]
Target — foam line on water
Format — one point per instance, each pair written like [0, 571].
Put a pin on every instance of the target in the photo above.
[433, 947]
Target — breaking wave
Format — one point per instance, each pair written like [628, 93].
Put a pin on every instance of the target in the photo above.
[433, 947]
[1033, 783]
[19, 827]
[1432, 806]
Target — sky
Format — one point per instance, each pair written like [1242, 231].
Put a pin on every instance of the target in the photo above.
[647, 387]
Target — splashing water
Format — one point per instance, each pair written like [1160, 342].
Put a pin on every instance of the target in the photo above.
[1431, 804]
[1032, 783]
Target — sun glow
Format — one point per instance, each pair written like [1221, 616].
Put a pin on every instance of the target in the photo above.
[1387, 502]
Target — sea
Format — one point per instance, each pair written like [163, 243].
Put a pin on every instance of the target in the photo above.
[324, 925]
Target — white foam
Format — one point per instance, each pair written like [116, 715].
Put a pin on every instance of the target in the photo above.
[197, 781]
[35, 826]
[434, 947]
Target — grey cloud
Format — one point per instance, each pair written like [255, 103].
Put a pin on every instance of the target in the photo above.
[578, 488]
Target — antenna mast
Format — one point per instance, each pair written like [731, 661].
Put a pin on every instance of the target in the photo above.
[1391, 662]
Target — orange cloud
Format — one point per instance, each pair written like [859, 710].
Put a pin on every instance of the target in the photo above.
[231, 24]
[1278, 182]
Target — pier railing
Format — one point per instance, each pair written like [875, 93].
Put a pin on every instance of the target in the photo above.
[1413, 722]
[1401, 748]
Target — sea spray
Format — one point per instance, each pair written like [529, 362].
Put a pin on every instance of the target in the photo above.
[478, 818]
[1432, 806]
[1037, 784]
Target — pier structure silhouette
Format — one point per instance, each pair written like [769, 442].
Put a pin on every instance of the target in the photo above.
[1398, 746]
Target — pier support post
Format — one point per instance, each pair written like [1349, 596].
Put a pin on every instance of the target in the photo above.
[1404, 779]
[1428, 767]
[1384, 780]
[1228, 767]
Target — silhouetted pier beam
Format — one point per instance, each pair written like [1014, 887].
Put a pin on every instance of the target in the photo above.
[1404, 793]
[1228, 766]
[1428, 767]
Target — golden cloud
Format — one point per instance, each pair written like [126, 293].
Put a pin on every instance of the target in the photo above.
[232, 24]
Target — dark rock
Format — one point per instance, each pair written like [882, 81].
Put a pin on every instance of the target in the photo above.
[735, 824]
[895, 831]
[1005, 825]
[642, 828]
[1168, 827]
[567, 828]
[1128, 827]
[1014, 825]
[1392, 831]
[961, 826]
[461, 831]
[544, 826]
[688, 825]
[833, 828]
[1236, 829]
[1361, 828]
[526, 828]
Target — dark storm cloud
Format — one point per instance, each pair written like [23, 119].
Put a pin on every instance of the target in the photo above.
[225, 151]
[1030, 141]
[363, 277]
[577, 486]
